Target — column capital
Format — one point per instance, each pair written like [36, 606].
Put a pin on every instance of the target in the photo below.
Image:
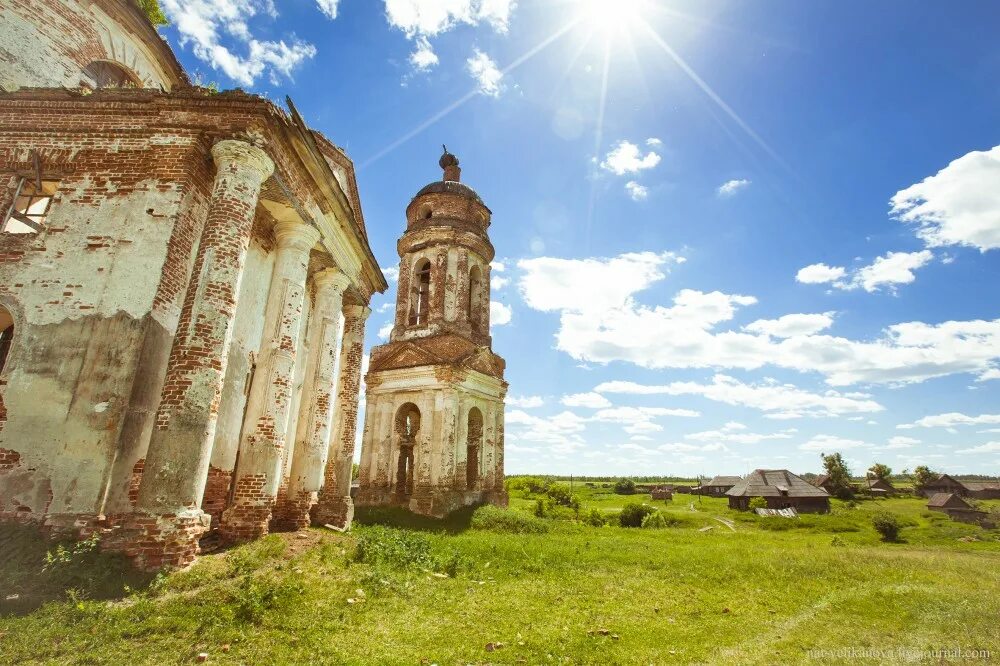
[331, 279]
[295, 235]
[245, 154]
[357, 311]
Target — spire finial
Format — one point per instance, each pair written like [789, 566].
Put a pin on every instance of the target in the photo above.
[449, 163]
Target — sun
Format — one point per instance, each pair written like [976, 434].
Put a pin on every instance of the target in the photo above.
[612, 17]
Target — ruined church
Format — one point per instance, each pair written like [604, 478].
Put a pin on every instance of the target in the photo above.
[184, 284]
[434, 404]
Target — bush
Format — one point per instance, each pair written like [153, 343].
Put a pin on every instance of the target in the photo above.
[529, 484]
[540, 510]
[254, 596]
[559, 494]
[757, 503]
[595, 518]
[395, 548]
[654, 520]
[494, 519]
[886, 525]
[632, 514]
[625, 487]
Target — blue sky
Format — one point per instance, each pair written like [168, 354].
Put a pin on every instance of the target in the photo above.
[730, 234]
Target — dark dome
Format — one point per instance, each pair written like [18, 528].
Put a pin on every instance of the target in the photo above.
[451, 187]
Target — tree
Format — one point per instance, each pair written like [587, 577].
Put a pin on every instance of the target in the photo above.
[923, 477]
[838, 476]
[887, 525]
[625, 487]
[880, 471]
[154, 12]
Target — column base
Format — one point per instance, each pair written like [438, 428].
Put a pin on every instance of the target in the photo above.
[292, 513]
[245, 522]
[336, 511]
[155, 542]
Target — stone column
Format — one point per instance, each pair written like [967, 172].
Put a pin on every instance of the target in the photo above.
[484, 313]
[258, 472]
[462, 277]
[335, 506]
[439, 285]
[312, 440]
[165, 529]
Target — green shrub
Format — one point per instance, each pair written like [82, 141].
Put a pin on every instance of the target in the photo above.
[887, 525]
[633, 513]
[559, 494]
[529, 484]
[255, 596]
[508, 521]
[757, 503]
[540, 510]
[654, 520]
[388, 546]
[595, 518]
[625, 487]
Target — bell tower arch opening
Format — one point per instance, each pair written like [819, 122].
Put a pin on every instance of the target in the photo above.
[420, 293]
[407, 429]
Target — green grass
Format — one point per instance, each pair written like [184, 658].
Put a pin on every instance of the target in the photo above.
[401, 589]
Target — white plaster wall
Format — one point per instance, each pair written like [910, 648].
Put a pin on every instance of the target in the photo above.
[41, 47]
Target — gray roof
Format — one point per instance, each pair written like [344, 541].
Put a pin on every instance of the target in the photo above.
[723, 481]
[942, 499]
[981, 485]
[775, 483]
[450, 187]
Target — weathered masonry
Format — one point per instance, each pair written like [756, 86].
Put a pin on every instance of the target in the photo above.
[433, 435]
[184, 281]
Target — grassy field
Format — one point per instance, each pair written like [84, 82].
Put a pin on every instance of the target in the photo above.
[508, 588]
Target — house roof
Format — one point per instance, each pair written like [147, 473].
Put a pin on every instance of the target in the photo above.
[775, 483]
[723, 481]
[821, 479]
[944, 499]
[981, 485]
[879, 484]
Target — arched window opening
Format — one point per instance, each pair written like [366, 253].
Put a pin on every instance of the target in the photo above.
[407, 428]
[6, 336]
[473, 444]
[425, 212]
[104, 74]
[420, 294]
[475, 304]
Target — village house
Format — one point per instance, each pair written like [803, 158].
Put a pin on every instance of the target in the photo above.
[781, 490]
[718, 486]
[975, 489]
[433, 438]
[184, 283]
[878, 487]
[957, 508]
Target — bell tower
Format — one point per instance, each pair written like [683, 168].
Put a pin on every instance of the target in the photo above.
[433, 437]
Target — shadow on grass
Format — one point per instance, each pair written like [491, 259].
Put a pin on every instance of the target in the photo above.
[394, 516]
[35, 570]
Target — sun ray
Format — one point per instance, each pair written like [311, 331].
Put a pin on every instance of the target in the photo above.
[520, 60]
[707, 89]
[598, 137]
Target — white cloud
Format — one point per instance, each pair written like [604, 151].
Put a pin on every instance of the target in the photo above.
[892, 269]
[731, 187]
[204, 24]
[900, 442]
[391, 273]
[637, 414]
[737, 434]
[626, 157]
[960, 205]
[525, 402]
[784, 399]
[498, 282]
[949, 420]
[605, 323]
[888, 271]
[791, 325]
[550, 284]
[423, 56]
[484, 70]
[819, 274]
[991, 373]
[500, 314]
[421, 20]
[831, 444]
[328, 7]
[636, 191]
[988, 447]
[383, 333]
[590, 400]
